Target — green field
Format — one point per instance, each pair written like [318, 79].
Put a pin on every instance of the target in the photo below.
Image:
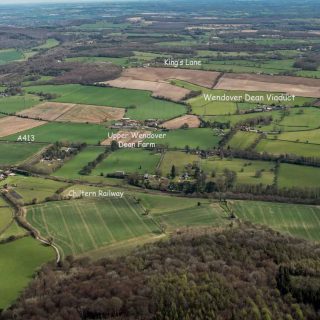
[236, 118]
[291, 175]
[117, 61]
[250, 66]
[279, 147]
[15, 153]
[8, 226]
[29, 188]
[17, 103]
[297, 220]
[204, 215]
[13, 229]
[100, 25]
[160, 204]
[22, 258]
[245, 169]
[128, 161]
[71, 132]
[79, 226]
[50, 43]
[8, 55]
[179, 159]
[203, 138]
[206, 107]
[137, 59]
[301, 119]
[307, 136]
[140, 105]
[72, 167]
[6, 215]
[242, 140]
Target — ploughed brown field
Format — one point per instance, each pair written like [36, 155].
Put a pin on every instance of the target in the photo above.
[65, 112]
[159, 89]
[298, 86]
[199, 77]
[92, 114]
[191, 120]
[12, 125]
[128, 137]
[47, 111]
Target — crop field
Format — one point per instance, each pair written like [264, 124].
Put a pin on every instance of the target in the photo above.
[8, 55]
[267, 83]
[72, 167]
[279, 147]
[198, 77]
[23, 257]
[291, 175]
[203, 138]
[242, 140]
[202, 215]
[17, 103]
[11, 125]
[128, 161]
[48, 111]
[79, 226]
[297, 220]
[72, 132]
[246, 170]
[69, 112]
[15, 153]
[191, 120]
[158, 204]
[140, 105]
[158, 89]
[30, 188]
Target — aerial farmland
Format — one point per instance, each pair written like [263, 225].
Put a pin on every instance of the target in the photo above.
[122, 128]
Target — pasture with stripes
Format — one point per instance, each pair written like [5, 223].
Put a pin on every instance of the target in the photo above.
[296, 220]
[78, 226]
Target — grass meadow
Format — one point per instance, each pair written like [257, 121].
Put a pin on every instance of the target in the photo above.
[23, 257]
[129, 161]
[16, 153]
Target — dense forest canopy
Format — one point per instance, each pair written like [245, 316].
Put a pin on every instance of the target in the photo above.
[243, 272]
